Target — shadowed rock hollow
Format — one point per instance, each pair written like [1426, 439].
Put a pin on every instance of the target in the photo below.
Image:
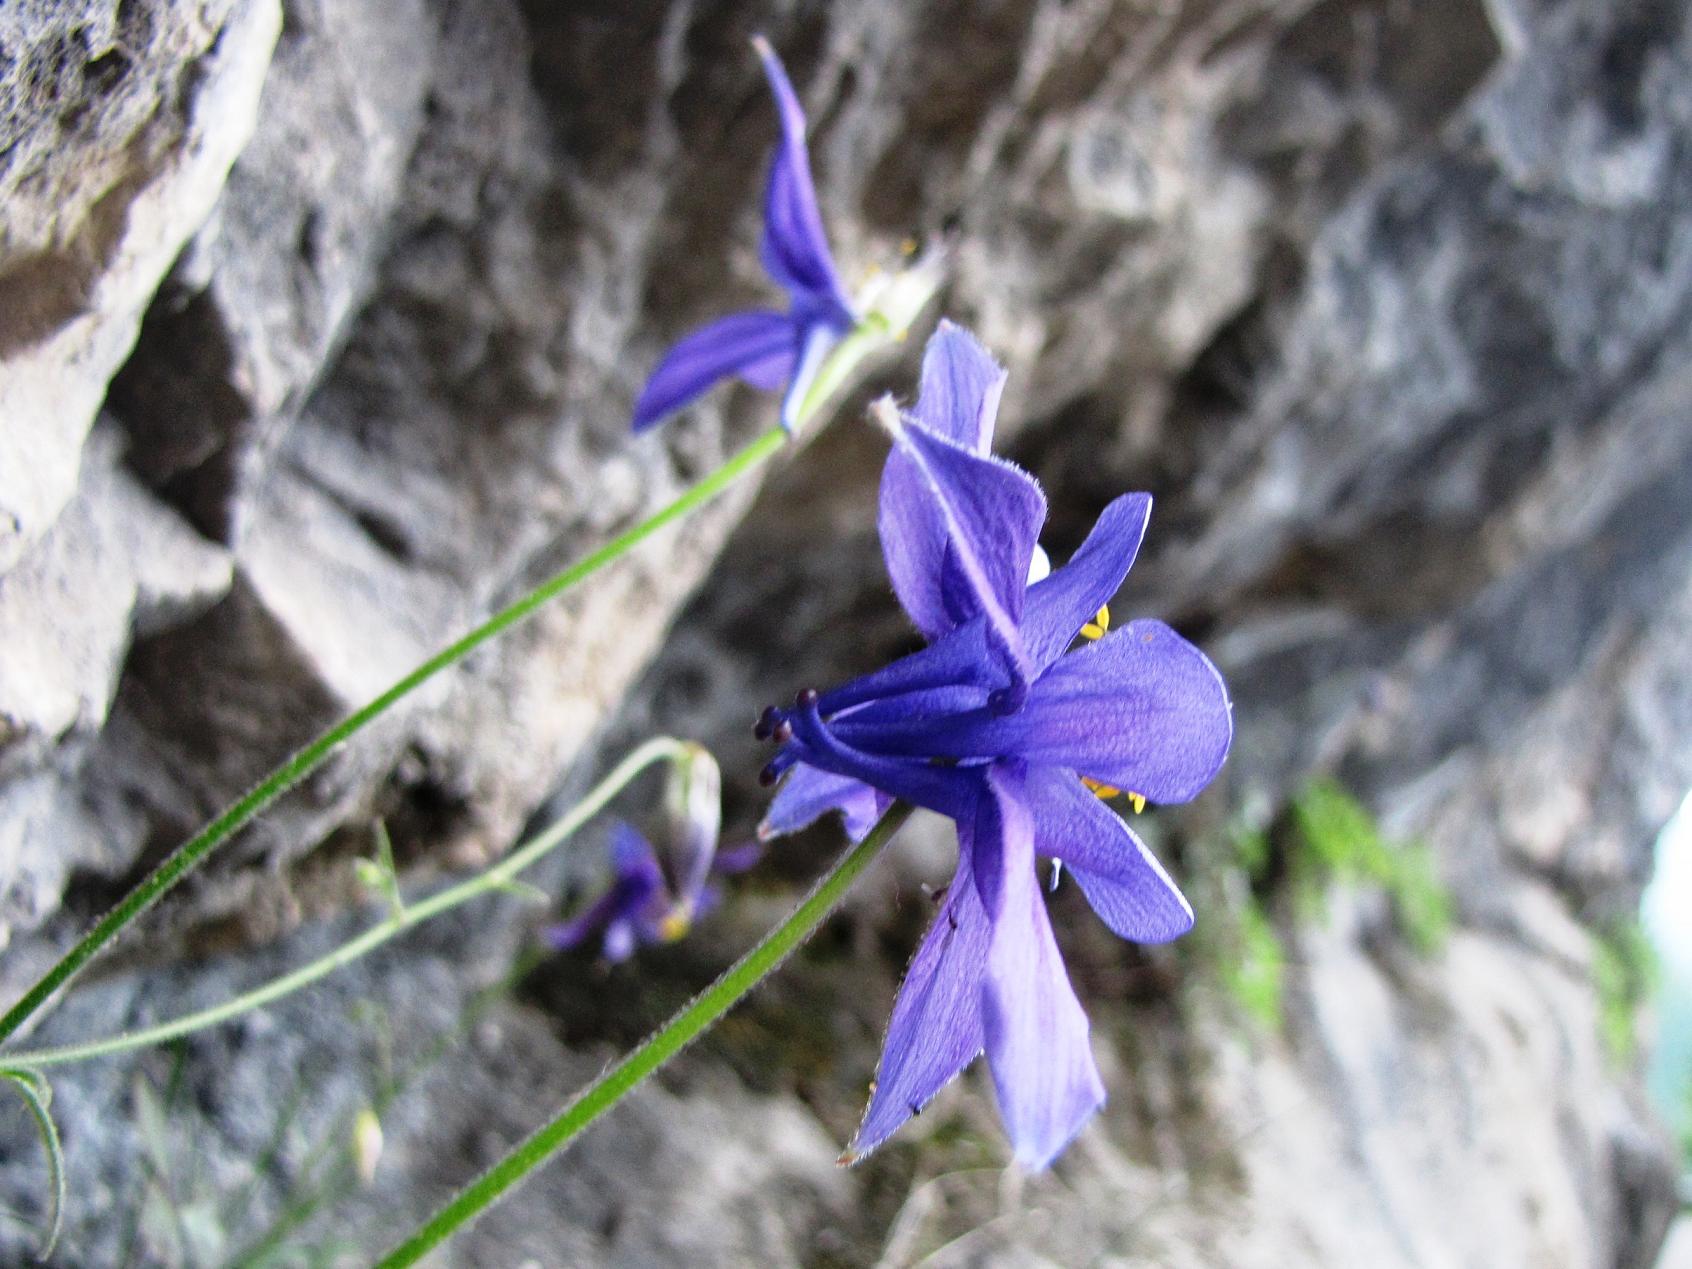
[320, 323]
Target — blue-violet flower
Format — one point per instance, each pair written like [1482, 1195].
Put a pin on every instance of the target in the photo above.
[764, 347]
[993, 725]
[648, 902]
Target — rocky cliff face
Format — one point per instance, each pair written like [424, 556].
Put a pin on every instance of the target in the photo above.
[1387, 305]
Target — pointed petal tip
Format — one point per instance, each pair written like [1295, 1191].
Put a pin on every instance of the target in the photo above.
[1038, 1154]
[645, 418]
[886, 413]
[848, 1158]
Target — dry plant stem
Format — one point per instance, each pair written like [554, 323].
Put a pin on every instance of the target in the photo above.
[611, 1087]
[497, 877]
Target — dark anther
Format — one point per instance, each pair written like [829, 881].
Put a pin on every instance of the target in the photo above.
[783, 732]
[806, 699]
[765, 727]
[915, 1109]
[769, 775]
[1007, 700]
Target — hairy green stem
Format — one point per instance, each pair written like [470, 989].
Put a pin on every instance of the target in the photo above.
[296, 768]
[659, 1048]
[660, 749]
[897, 302]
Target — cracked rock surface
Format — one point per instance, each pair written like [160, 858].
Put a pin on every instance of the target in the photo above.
[320, 322]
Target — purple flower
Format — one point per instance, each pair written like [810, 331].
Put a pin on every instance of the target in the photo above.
[995, 726]
[638, 909]
[643, 906]
[764, 347]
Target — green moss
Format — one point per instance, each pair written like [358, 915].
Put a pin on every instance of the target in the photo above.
[1420, 899]
[1339, 837]
[1624, 970]
[1255, 886]
[1338, 841]
[1253, 971]
[1251, 851]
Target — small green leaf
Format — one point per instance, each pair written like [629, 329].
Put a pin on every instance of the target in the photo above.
[379, 874]
[38, 1095]
[385, 849]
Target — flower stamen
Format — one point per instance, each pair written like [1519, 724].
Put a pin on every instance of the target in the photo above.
[1095, 629]
[675, 924]
[1105, 792]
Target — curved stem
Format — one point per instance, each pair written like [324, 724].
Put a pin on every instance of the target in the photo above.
[659, 1048]
[661, 749]
[306, 760]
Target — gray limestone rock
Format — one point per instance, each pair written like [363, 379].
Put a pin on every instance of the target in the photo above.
[119, 126]
[1385, 304]
[115, 566]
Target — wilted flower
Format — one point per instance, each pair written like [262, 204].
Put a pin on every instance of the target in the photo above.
[993, 725]
[764, 347]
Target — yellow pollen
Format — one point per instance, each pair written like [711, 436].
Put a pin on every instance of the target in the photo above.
[1106, 792]
[674, 925]
[1095, 629]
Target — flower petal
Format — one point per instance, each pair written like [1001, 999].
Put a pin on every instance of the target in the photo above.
[740, 343]
[772, 373]
[958, 396]
[1058, 606]
[816, 340]
[1120, 877]
[958, 399]
[736, 859]
[572, 933]
[950, 791]
[1141, 709]
[989, 513]
[808, 794]
[794, 247]
[1034, 1029]
[634, 861]
[936, 1027]
[956, 659]
[619, 940]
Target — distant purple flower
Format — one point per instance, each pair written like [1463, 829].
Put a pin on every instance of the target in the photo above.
[993, 725]
[644, 906]
[763, 347]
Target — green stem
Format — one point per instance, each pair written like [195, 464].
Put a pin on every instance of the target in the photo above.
[620, 1080]
[898, 303]
[296, 768]
[896, 306]
[661, 749]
